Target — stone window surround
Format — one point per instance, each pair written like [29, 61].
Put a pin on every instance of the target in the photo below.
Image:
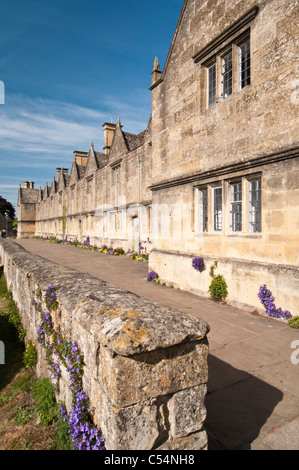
[226, 184]
[217, 60]
[229, 40]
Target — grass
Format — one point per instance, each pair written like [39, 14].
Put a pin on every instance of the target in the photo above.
[28, 409]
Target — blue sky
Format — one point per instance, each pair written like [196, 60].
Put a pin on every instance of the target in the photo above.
[67, 67]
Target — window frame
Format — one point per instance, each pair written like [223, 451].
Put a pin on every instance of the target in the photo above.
[227, 74]
[257, 214]
[116, 174]
[203, 210]
[236, 206]
[240, 43]
[217, 221]
[228, 82]
[212, 68]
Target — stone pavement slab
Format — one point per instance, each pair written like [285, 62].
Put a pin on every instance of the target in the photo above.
[253, 390]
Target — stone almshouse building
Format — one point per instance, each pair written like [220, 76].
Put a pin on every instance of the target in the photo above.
[216, 172]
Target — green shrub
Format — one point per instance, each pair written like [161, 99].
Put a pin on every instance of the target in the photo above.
[43, 394]
[30, 355]
[11, 308]
[218, 288]
[294, 322]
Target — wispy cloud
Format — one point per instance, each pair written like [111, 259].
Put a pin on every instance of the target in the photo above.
[40, 126]
[43, 126]
[38, 135]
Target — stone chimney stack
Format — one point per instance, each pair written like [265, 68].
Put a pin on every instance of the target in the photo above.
[109, 131]
[31, 184]
[26, 184]
[60, 171]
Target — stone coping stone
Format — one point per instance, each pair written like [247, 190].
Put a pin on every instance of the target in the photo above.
[124, 322]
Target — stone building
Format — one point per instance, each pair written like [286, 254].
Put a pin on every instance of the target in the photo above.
[216, 172]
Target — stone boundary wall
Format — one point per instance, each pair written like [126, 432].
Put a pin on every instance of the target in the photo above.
[145, 367]
[244, 278]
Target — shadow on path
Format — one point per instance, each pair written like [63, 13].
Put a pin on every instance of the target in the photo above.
[238, 405]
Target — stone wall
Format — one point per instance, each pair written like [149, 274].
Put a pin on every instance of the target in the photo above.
[145, 367]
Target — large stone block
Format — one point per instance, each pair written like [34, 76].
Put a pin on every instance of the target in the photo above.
[187, 411]
[136, 378]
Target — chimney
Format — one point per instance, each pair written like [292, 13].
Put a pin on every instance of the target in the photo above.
[80, 157]
[26, 184]
[31, 184]
[64, 171]
[109, 131]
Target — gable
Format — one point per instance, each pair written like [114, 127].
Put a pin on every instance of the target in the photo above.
[119, 145]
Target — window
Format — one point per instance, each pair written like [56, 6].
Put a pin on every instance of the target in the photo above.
[119, 221]
[212, 84]
[218, 209]
[116, 174]
[244, 63]
[227, 75]
[203, 210]
[220, 206]
[236, 207]
[228, 71]
[255, 206]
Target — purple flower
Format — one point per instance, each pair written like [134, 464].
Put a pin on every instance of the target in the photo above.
[152, 275]
[198, 264]
[267, 300]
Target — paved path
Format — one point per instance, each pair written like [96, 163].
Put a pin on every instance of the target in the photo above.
[253, 389]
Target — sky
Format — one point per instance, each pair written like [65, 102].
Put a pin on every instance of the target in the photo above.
[66, 67]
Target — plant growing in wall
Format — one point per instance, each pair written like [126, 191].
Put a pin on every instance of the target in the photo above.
[30, 355]
[218, 287]
[198, 264]
[84, 434]
[152, 276]
[267, 299]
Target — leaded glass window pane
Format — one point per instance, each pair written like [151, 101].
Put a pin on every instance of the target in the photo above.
[212, 84]
[236, 207]
[217, 209]
[244, 57]
[255, 206]
[227, 74]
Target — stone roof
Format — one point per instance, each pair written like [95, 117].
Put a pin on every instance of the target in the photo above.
[134, 140]
[29, 196]
[102, 159]
[81, 171]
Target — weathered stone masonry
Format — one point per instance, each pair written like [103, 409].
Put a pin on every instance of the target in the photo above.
[145, 365]
[216, 171]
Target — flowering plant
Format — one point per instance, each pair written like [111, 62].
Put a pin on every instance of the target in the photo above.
[50, 298]
[198, 264]
[218, 287]
[85, 435]
[86, 243]
[267, 300]
[152, 276]
[30, 355]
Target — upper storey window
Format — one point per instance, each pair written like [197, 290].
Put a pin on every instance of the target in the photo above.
[244, 63]
[227, 60]
[227, 74]
[212, 84]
